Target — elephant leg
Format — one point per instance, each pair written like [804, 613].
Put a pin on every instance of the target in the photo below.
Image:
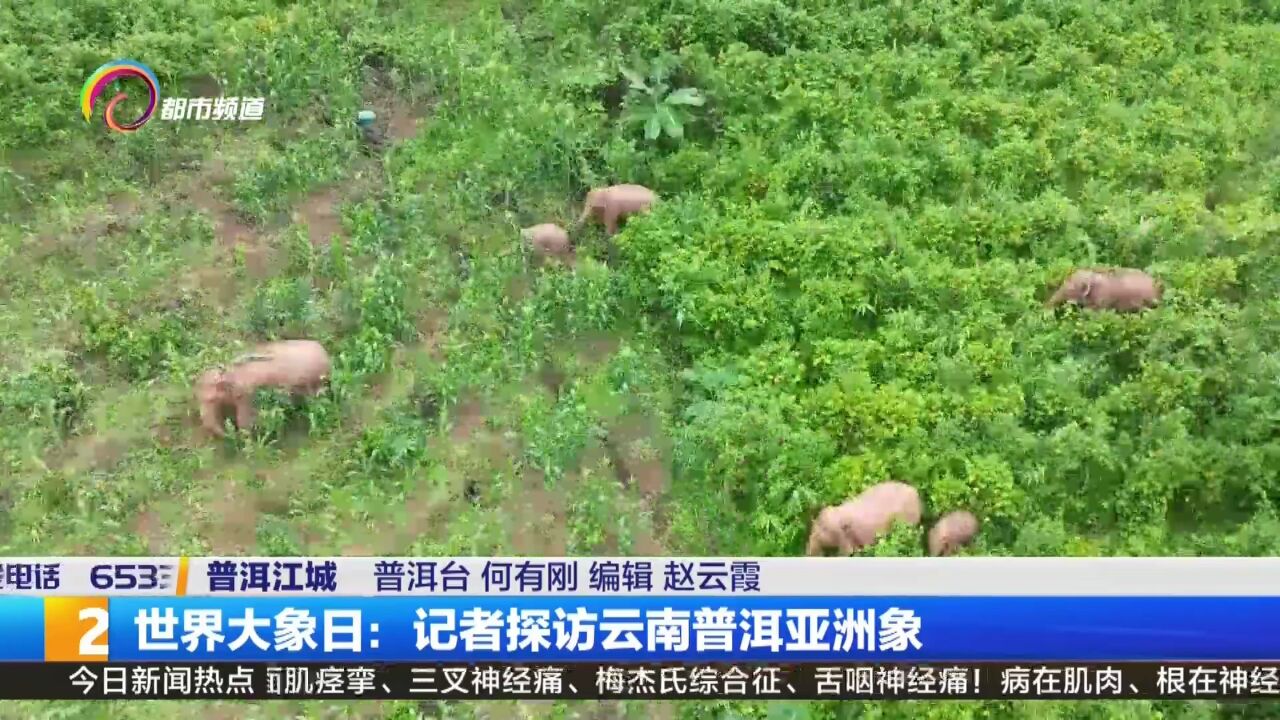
[246, 413]
[611, 221]
[211, 419]
[847, 545]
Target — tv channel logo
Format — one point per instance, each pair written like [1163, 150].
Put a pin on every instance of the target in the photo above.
[171, 108]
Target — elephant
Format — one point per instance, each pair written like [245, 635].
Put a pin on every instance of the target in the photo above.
[548, 239]
[952, 532]
[858, 523]
[616, 202]
[300, 367]
[1123, 290]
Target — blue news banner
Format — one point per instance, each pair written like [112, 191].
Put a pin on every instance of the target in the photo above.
[668, 629]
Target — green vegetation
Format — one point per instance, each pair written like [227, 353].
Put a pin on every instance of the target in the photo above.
[864, 205]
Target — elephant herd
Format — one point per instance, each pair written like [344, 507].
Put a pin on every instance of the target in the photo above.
[608, 205]
[859, 522]
[302, 367]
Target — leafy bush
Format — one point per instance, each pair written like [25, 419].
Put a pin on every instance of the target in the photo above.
[50, 395]
[391, 447]
[276, 177]
[652, 103]
[143, 344]
[283, 307]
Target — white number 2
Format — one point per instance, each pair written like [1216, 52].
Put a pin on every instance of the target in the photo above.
[89, 644]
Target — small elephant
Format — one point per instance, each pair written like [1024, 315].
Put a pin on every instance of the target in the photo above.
[616, 202]
[859, 522]
[1123, 290]
[952, 532]
[549, 240]
[300, 367]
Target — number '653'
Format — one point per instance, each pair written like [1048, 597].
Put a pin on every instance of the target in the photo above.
[125, 577]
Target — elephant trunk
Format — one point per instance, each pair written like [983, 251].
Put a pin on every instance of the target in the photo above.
[588, 204]
[211, 419]
[1057, 298]
[814, 547]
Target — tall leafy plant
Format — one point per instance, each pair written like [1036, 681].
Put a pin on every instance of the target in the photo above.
[652, 103]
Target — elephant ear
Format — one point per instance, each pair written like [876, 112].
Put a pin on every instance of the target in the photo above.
[854, 529]
[1088, 286]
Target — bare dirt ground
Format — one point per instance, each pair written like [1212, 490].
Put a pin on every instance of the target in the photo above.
[319, 211]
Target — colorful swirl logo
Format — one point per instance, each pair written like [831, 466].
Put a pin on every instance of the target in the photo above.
[109, 73]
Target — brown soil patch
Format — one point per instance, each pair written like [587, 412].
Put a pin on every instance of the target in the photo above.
[646, 545]
[216, 171]
[257, 261]
[215, 281]
[179, 426]
[402, 122]
[319, 212]
[118, 217]
[539, 518]
[228, 227]
[468, 418]
[359, 550]
[422, 515]
[432, 329]
[278, 488]
[121, 210]
[88, 452]
[551, 380]
[153, 532]
[232, 524]
[637, 444]
[432, 321]
[398, 118]
[641, 535]
[42, 247]
[651, 477]
[597, 348]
